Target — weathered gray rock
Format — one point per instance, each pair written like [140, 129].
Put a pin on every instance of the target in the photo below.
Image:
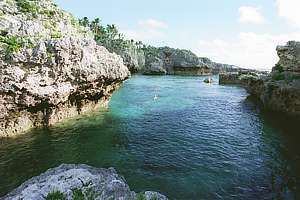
[219, 68]
[278, 96]
[289, 57]
[281, 90]
[240, 77]
[50, 67]
[133, 58]
[166, 60]
[154, 67]
[102, 184]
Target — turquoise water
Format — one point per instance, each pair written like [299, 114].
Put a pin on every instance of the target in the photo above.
[193, 141]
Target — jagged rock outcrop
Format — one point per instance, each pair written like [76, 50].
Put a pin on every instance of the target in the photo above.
[218, 68]
[165, 60]
[279, 90]
[133, 56]
[280, 96]
[289, 57]
[50, 67]
[98, 184]
[241, 77]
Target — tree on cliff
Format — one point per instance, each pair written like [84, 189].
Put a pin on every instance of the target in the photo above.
[109, 36]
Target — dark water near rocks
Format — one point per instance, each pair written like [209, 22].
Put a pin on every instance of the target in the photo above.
[195, 141]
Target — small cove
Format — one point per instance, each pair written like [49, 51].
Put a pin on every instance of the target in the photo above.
[194, 141]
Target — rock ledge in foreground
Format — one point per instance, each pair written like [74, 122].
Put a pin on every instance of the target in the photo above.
[103, 183]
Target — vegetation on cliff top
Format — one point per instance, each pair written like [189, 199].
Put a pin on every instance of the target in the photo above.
[109, 36]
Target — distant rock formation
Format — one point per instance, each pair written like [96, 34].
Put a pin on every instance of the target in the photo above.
[241, 77]
[98, 184]
[151, 60]
[166, 60]
[132, 55]
[50, 68]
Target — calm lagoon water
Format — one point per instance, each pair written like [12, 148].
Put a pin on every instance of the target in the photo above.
[194, 141]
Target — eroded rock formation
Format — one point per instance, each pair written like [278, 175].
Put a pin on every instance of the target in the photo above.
[50, 67]
[279, 90]
[98, 184]
[171, 61]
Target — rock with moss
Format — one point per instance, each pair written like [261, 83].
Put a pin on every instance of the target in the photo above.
[74, 182]
[50, 67]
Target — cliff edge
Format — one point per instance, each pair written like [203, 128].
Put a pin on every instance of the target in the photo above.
[50, 67]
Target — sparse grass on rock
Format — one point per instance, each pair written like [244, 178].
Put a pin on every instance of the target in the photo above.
[56, 195]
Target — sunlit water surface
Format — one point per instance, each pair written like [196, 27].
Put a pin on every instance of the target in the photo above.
[176, 135]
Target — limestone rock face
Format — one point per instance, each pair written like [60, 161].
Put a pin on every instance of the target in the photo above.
[277, 95]
[281, 90]
[50, 67]
[218, 68]
[241, 77]
[289, 56]
[103, 184]
[171, 61]
[133, 58]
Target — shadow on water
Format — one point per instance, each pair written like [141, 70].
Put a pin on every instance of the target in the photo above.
[280, 133]
[91, 140]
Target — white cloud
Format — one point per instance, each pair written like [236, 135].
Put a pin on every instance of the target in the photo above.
[152, 24]
[147, 31]
[289, 9]
[248, 14]
[248, 50]
[143, 35]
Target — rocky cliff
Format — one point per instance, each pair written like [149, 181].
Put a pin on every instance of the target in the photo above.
[279, 90]
[218, 68]
[50, 67]
[81, 181]
[166, 60]
[133, 57]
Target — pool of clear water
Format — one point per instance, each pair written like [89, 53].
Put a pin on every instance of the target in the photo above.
[176, 135]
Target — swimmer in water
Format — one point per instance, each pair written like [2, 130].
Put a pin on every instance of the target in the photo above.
[155, 97]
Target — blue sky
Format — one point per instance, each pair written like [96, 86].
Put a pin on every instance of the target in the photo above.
[240, 32]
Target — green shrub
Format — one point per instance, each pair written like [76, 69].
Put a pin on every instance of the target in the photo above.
[12, 44]
[278, 68]
[74, 21]
[56, 35]
[140, 196]
[154, 198]
[91, 194]
[77, 194]
[48, 13]
[278, 77]
[56, 196]
[26, 6]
